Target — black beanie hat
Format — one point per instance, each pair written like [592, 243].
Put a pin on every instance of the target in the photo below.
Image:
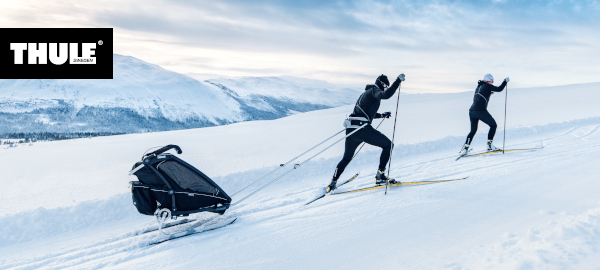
[382, 79]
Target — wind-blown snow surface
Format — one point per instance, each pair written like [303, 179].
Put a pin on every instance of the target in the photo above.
[287, 88]
[66, 203]
[145, 97]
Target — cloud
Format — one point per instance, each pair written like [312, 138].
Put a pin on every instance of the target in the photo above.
[351, 40]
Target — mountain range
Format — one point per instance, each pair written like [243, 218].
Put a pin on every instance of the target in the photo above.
[145, 97]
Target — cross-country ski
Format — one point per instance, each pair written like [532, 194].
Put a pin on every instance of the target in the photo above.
[327, 191]
[499, 151]
[399, 184]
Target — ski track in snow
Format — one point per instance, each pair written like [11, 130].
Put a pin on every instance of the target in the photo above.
[554, 240]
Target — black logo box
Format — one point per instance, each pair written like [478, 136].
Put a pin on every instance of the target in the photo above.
[102, 69]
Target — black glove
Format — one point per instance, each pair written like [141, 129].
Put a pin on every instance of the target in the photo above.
[386, 115]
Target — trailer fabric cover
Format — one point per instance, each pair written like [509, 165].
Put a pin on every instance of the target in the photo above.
[146, 176]
[143, 199]
[186, 178]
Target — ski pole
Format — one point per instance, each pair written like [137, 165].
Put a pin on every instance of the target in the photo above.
[505, 102]
[393, 137]
[298, 165]
[283, 165]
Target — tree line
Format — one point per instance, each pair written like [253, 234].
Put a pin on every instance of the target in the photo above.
[27, 137]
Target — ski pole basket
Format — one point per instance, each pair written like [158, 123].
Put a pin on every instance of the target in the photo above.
[169, 183]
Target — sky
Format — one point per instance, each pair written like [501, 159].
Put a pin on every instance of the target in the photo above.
[441, 46]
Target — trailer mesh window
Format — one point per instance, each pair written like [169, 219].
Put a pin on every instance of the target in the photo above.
[186, 178]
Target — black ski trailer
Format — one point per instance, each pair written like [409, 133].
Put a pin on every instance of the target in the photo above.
[169, 187]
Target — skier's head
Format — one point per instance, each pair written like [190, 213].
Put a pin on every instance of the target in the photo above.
[488, 78]
[382, 82]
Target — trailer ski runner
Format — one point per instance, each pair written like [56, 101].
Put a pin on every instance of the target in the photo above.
[196, 230]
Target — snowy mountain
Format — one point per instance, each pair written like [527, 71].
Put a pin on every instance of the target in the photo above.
[146, 97]
[253, 89]
[522, 210]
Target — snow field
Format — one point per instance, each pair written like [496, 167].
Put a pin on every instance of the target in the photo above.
[281, 213]
[562, 242]
[280, 208]
[536, 209]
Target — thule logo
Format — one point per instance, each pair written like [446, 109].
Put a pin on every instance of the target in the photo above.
[56, 53]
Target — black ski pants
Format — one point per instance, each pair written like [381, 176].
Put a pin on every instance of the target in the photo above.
[369, 135]
[485, 117]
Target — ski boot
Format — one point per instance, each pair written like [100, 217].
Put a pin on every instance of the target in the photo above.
[491, 147]
[381, 179]
[331, 186]
[465, 150]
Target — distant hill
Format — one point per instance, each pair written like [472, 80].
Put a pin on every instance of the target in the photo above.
[145, 97]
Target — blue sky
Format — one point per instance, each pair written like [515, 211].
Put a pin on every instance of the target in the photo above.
[441, 46]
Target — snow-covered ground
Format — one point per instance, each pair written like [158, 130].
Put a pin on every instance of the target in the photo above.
[66, 203]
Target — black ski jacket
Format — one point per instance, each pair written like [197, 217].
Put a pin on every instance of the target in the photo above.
[368, 103]
[483, 92]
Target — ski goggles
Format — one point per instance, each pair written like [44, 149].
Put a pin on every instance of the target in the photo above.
[383, 84]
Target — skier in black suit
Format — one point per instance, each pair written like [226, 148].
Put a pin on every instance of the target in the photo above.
[478, 111]
[365, 111]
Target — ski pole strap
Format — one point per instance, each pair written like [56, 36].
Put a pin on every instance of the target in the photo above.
[283, 165]
[298, 165]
